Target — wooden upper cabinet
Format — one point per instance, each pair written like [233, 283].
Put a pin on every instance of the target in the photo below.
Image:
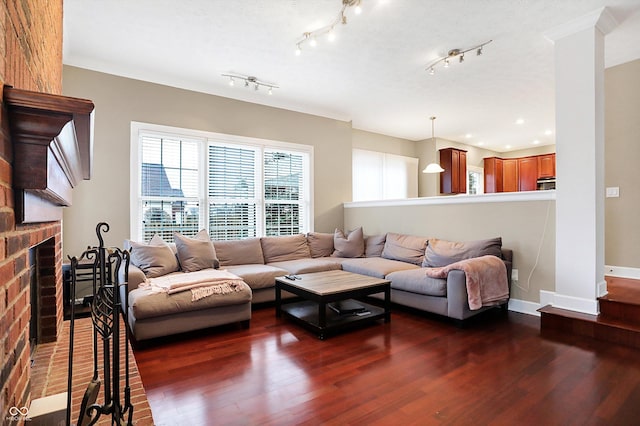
[510, 175]
[527, 173]
[547, 166]
[454, 178]
[517, 174]
[492, 174]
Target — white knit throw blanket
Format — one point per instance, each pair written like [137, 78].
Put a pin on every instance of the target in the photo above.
[201, 283]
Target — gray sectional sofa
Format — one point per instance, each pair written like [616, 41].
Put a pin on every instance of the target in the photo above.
[258, 261]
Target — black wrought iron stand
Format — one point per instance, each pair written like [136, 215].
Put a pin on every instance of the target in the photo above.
[106, 309]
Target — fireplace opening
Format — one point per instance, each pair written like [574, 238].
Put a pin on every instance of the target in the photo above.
[33, 282]
[43, 293]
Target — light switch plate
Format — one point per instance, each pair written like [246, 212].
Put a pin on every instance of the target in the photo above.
[613, 191]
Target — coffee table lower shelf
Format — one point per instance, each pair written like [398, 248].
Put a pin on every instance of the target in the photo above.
[306, 314]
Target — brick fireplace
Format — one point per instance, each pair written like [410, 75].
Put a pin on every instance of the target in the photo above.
[31, 59]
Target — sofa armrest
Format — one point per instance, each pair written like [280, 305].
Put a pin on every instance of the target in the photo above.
[136, 276]
[457, 297]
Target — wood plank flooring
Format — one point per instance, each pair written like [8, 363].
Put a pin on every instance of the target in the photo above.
[413, 370]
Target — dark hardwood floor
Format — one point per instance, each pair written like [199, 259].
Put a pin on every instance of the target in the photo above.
[413, 370]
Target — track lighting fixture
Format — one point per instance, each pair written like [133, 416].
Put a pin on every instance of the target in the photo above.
[251, 80]
[312, 36]
[445, 60]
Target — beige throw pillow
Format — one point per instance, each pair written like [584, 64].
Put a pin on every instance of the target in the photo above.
[239, 252]
[405, 248]
[320, 244]
[351, 245]
[154, 259]
[373, 245]
[443, 253]
[195, 253]
[285, 247]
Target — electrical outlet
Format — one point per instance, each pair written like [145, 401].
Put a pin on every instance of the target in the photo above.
[514, 275]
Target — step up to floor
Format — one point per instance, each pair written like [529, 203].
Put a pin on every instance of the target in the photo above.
[599, 327]
[624, 311]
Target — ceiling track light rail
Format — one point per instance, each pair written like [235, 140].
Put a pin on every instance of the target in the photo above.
[312, 36]
[455, 53]
[250, 81]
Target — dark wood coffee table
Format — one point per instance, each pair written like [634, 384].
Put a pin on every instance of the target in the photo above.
[318, 289]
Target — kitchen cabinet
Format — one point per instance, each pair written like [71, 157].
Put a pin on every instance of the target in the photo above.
[517, 174]
[454, 178]
[492, 174]
[510, 175]
[546, 166]
[527, 173]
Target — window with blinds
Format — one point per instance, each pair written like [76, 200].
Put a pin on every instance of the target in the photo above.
[233, 198]
[234, 187]
[284, 193]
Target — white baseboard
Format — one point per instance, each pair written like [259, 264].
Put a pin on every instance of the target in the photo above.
[622, 272]
[524, 307]
[571, 303]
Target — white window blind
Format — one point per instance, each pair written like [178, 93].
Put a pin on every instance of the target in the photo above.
[232, 192]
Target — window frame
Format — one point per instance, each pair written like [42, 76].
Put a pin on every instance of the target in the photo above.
[205, 139]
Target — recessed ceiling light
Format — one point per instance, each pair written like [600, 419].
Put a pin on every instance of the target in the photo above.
[548, 132]
[468, 135]
[536, 142]
[520, 121]
[480, 143]
[507, 146]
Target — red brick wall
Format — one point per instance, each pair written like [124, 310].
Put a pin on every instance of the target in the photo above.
[30, 58]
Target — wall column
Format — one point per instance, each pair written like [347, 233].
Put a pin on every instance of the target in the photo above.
[579, 75]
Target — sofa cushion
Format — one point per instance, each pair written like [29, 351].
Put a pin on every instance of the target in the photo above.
[305, 266]
[197, 253]
[443, 253]
[320, 244]
[290, 247]
[239, 252]
[373, 245]
[147, 304]
[257, 276]
[154, 259]
[416, 281]
[406, 248]
[351, 245]
[375, 266]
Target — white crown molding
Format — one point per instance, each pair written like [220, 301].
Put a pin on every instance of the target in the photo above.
[602, 19]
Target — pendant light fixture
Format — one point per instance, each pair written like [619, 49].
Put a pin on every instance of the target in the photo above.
[433, 167]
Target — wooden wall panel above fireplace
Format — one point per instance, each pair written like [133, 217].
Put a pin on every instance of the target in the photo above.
[52, 138]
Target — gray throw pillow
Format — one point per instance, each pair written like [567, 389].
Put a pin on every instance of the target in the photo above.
[154, 259]
[351, 245]
[442, 253]
[195, 253]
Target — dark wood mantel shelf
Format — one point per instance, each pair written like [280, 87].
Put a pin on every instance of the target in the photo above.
[52, 137]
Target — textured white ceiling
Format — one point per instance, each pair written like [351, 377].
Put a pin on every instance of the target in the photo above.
[374, 72]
